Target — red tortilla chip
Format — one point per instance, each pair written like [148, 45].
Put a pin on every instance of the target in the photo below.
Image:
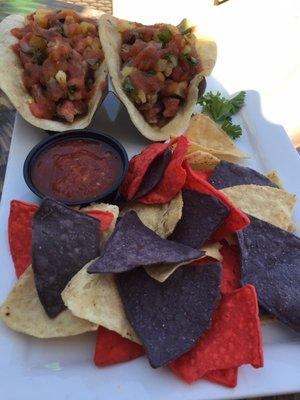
[20, 233]
[225, 377]
[236, 220]
[105, 217]
[112, 348]
[231, 268]
[138, 167]
[173, 178]
[234, 338]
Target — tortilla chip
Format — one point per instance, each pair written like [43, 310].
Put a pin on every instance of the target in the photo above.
[95, 298]
[228, 174]
[154, 174]
[133, 245]
[112, 348]
[202, 215]
[23, 312]
[209, 137]
[267, 203]
[169, 328]
[202, 160]
[12, 85]
[225, 377]
[213, 250]
[236, 220]
[63, 241]
[270, 260]
[138, 167]
[111, 42]
[107, 214]
[234, 338]
[173, 178]
[162, 272]
[275, 178]
[231, 268]
[20, 233]
[160, 218]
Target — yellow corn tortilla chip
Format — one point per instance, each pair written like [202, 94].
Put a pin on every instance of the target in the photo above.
[111, 42]
[95, 297]
[202, 160]
[161, 218]
[162, 272]
[275, 178]
[12, 85]
[206, 135]
[23, 312]
[267, 203]
[213, 250]
[105, 207]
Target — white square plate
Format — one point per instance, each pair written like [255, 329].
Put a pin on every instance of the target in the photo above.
[33, 369]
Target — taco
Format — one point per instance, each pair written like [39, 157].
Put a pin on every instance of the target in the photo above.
[52, 67]
[156, 71]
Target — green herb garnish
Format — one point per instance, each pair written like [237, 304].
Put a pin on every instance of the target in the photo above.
[165, 36]
[221, 110]
[234, 131]
[72, 89]
[128, 86]
[192, 60]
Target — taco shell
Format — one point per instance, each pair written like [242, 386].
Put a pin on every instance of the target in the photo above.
[111, 44]
[12, 85]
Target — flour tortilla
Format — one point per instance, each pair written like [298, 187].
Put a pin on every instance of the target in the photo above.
[111, 43]
[205, 135]
[23, 312]
[266, 203]
[12, 85]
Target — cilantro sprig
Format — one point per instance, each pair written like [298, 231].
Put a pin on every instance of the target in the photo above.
[221, 110]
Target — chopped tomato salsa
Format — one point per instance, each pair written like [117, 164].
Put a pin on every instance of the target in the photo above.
[158, 64]
[76, 170]
[60, 52]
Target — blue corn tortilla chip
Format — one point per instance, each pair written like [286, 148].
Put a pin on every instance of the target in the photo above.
[63, 241]
[170, 317]
[154, 173]
[228, 174]
[133, 245]
[201, 216]
[270, 261]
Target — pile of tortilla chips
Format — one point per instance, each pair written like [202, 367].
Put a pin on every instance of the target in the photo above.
[200, 244]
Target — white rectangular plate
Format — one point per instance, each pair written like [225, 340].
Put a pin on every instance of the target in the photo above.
[63, 368]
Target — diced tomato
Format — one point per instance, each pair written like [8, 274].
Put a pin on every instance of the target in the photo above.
[80, 107]
[145, 33]
[129, 36]
[24, 43]
[147, 83]
[171, 107]
[59, 49]
[16, 48]
[67, 111]
[41, 107]
[17, 32]
[147, 58]
[54, 91]
[152, 115]
[179, 41]
[31, 75]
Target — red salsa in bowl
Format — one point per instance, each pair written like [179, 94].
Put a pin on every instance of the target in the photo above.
[76, 167]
